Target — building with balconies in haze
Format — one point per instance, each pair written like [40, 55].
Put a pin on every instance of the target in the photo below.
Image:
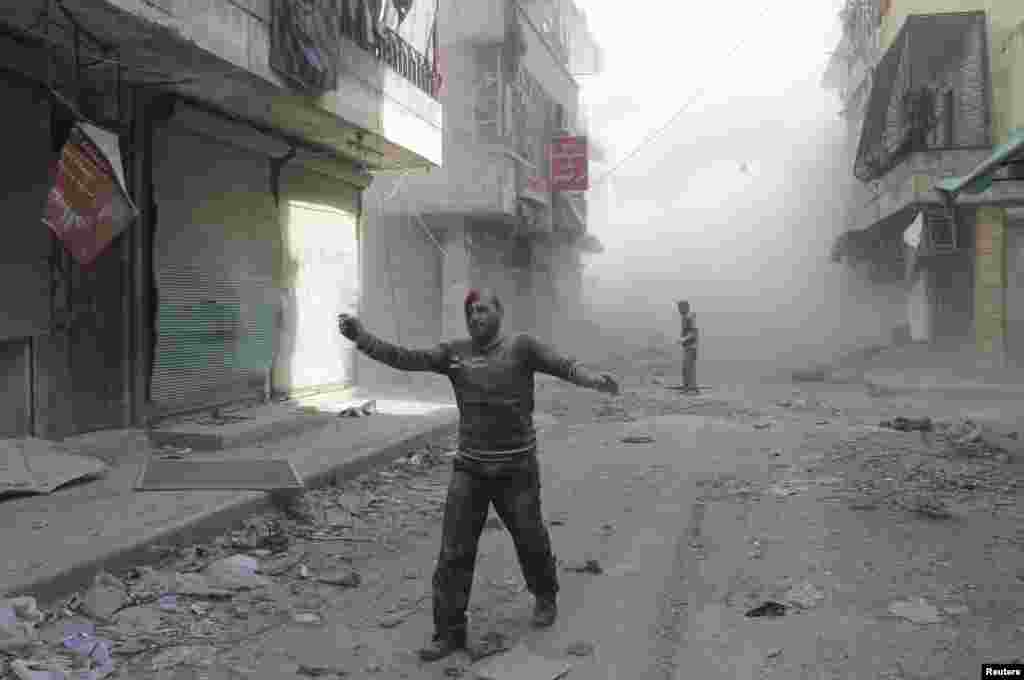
[490, 216]
[184, 186]
[933, 95]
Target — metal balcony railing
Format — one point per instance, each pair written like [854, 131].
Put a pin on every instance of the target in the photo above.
[930, 92]
[393, 50]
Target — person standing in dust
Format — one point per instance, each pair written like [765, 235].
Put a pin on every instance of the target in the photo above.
[688, 341]
[496, 462]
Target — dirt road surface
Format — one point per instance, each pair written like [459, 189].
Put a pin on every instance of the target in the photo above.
[891, 554]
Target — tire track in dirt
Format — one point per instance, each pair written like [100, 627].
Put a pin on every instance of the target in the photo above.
[675, 604]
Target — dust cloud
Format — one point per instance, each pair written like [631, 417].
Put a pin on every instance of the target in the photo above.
[746, 240]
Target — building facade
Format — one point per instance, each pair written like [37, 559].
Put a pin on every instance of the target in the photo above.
[929, 89]
[488, 218]
[248, 133]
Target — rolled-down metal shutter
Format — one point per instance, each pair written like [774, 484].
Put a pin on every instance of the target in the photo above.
[25, 308]
[320, 279]
[216, 243]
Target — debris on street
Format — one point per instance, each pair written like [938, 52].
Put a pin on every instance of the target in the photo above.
[490, 644]
[637, 439]
[106, 596]
[917, 610]
[769, 609]
[589, 566]
[345, 578]
[904, 424]
[580, 648]
[804, 595]
[522, 664]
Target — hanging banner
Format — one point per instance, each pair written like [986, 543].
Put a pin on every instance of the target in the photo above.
[88, 205]
[569, 171]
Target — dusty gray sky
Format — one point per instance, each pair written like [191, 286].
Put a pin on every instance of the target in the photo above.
[760, 100]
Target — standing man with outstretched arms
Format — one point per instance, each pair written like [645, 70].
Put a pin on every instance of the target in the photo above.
[493, 378]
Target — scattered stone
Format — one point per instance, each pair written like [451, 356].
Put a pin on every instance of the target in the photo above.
[580, 648]
[345, 578]
[903, 424]
[589, 566]
[238, 572]
[804, 595]
[18, 619]
[282, 564]
[769, 609]
[135, 621]
[637, 439]
[917, 610]
[393, 620]
[204, 655]
[320, 671]
[106, 596]
[491, 643]
[925, 505]
[307, 618]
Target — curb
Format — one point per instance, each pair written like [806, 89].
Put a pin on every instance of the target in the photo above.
[198, 440]
[979, 390]
[208, 525]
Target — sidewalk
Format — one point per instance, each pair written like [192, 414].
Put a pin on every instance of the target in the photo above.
[54, 544]
[916, 368]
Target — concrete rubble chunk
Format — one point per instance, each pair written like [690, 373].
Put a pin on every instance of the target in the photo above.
[238, 572]
[106, 596]
[917, 610]
[521, 664]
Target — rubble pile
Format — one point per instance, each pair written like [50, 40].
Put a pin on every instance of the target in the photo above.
[199, 602]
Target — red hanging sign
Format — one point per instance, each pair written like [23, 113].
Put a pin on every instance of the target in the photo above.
[87, 207]
[569, 164]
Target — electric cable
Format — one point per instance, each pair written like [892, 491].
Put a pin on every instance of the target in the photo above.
[678, 114]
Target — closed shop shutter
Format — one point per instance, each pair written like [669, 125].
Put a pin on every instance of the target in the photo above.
[320, 279]
[216, 244]
[25, 177]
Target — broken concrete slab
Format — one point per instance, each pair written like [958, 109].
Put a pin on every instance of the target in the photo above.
[37, 466]
[520, 663]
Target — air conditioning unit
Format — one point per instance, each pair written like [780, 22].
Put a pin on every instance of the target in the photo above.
[941, 230]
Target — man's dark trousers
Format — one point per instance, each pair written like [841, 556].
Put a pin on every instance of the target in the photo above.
[514, 489]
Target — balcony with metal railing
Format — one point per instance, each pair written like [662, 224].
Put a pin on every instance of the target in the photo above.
[930, 92]
[389, 47]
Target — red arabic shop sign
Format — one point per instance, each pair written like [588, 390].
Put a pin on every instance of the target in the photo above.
[569, 164]
[87, 207]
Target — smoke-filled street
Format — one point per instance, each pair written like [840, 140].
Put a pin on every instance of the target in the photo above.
[768, 531]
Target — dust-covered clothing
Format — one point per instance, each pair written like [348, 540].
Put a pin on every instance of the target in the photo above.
[496, 462]
[494, 387]
[513, 487]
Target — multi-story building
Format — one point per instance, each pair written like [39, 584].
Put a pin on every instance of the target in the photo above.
[931, 89]
[489, 216]
[247, 132]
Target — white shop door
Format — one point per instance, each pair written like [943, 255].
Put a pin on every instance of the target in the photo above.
[322, 268]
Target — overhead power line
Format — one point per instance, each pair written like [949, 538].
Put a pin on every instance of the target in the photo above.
[678, 114]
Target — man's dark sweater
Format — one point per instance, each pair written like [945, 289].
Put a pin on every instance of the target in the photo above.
[493, 386]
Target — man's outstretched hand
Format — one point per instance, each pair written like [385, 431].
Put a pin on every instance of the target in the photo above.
[350, 326]
[607, 383]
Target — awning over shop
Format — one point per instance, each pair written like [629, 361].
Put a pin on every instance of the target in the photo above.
[980, 179]
[863, 243]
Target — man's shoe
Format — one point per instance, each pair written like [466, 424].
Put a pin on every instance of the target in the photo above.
[442, 645]
[545, 611]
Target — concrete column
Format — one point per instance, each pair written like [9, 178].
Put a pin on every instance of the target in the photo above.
[455, 281]
[990, 283]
